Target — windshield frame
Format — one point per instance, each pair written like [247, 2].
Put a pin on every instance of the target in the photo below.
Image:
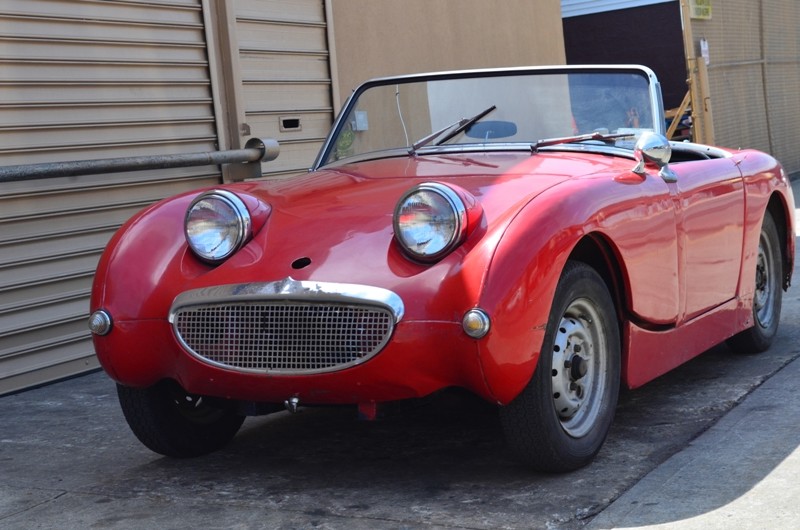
[658, 118]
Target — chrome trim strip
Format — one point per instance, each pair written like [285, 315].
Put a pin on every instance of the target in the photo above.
[291, 289]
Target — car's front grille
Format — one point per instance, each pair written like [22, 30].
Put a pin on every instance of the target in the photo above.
[284, 336]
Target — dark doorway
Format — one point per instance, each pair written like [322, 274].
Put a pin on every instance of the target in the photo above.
[650, 35]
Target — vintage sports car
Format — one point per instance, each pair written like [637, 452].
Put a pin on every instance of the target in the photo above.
[526, 234]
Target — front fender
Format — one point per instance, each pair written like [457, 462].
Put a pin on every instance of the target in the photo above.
[518, 293]
[146, 263]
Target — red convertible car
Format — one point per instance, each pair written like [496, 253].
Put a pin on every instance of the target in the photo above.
[526, 234]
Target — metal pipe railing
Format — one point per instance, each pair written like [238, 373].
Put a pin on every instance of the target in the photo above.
[255, 151]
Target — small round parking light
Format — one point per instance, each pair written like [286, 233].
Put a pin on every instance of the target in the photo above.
[476, 323]
[100, 323]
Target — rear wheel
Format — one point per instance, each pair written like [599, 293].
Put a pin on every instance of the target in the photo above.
[562, 417]
[767, 298]
[174, 423]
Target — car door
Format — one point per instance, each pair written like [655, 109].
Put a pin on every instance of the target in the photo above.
[641, 221]
[709, 200]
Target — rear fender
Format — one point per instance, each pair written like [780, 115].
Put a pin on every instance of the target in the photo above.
[767, 188]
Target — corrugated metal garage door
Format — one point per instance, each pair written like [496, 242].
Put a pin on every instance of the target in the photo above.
[86, 79]
[285, 74]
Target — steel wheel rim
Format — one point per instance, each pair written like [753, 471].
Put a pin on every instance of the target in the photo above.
[763, 303]
[580, 368]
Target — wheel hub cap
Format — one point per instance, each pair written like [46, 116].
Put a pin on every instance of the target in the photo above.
[765, 277]
[579, 368]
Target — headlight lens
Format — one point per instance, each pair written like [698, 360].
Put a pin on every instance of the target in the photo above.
[430, 220]
[217, 225]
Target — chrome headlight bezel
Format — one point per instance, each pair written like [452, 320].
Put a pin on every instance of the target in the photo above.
[216, 238]
[414, 234]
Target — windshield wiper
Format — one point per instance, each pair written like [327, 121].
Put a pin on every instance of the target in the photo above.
[459, 125]
[597, 136]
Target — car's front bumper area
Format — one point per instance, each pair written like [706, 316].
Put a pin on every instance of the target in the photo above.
[270, 342]
[286, 327]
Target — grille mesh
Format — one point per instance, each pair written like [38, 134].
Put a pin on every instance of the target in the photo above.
[284, 336]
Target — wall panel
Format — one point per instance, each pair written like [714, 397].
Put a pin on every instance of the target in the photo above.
[86, 79]
[285, 75]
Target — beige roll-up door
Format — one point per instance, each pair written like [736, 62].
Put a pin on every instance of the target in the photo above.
[87, 79]
[285, 77]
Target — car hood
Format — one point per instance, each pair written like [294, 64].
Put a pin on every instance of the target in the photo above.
[336, 225]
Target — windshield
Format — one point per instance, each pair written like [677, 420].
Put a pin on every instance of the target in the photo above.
[489, 109]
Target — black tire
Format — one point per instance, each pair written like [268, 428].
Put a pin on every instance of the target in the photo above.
[561, 419]
[173, 423]
[768, 295]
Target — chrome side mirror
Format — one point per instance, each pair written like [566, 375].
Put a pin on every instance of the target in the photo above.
[652, 150]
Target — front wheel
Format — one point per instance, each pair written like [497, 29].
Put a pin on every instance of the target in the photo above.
[561, 419]
[172, 422]
[767, 298]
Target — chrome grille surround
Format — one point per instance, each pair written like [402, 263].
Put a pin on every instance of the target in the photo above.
[285, 327]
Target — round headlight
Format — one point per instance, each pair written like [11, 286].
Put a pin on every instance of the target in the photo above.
[430, 220]
[217, 225]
